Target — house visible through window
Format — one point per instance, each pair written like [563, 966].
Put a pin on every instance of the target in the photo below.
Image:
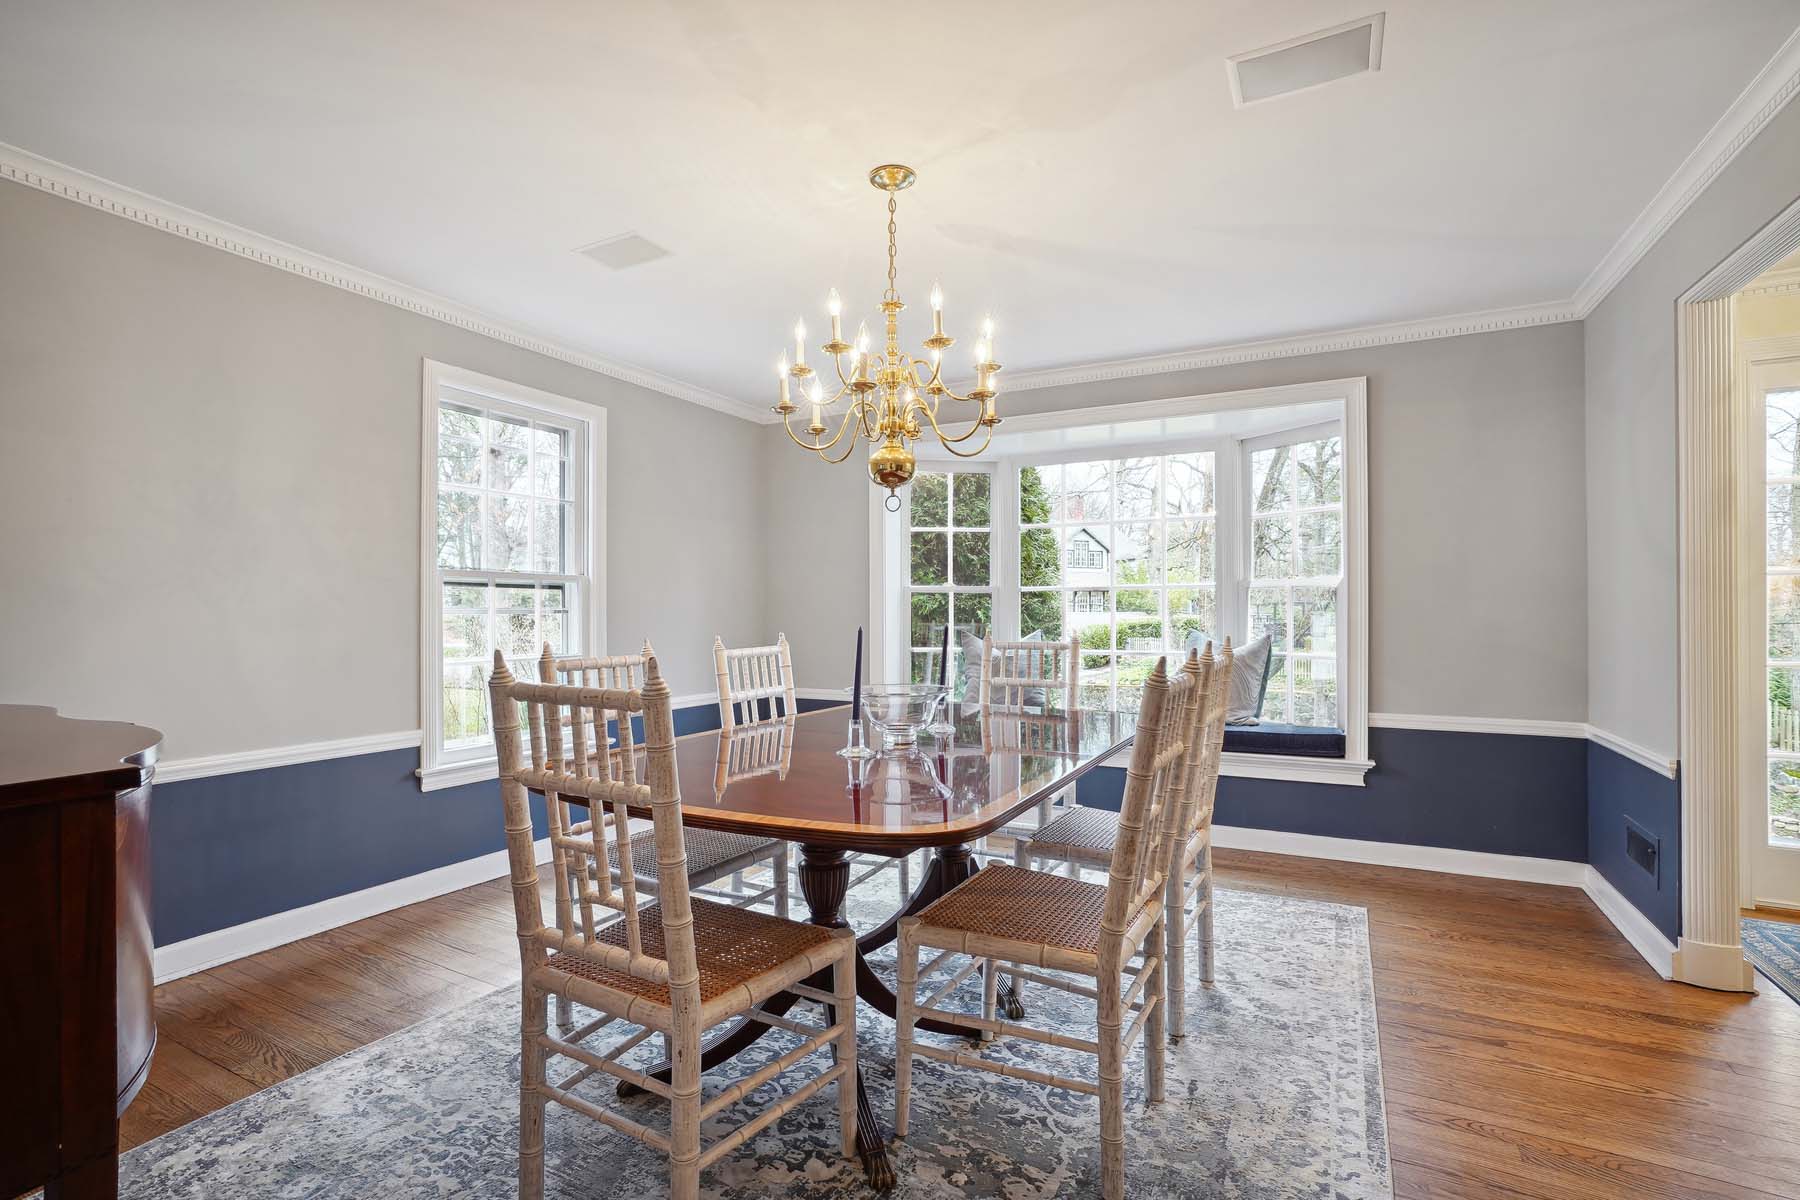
[508, 531]
[1119, 552]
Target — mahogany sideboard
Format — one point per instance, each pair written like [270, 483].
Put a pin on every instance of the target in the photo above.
[77, 1027]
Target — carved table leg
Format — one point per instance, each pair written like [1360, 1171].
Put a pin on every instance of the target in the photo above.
[824, 881]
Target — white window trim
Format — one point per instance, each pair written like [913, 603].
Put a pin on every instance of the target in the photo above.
[888, 562]
[436, 771]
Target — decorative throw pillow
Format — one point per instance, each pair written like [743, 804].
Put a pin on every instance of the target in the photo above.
[1249, 675]
[1249, 681]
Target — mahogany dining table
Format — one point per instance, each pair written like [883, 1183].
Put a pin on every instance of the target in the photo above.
[785, 779]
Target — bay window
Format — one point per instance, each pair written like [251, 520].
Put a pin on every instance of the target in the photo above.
[1139, 527]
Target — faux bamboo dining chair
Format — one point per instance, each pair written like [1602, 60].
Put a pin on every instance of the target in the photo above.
[1010, 669]
[1013, 671]
[756, 686]
[1109, 933]
[677, 966]
[751, 678]
[711, 855]
[1086, 837]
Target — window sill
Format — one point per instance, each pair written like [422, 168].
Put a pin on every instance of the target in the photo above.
[448, 775]
[1345, 772]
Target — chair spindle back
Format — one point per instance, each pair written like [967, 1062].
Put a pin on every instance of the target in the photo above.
[584, 772]
[750, 676]
[1155, 797]
[1009, 668]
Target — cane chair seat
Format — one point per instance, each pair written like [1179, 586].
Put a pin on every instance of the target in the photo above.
[1081, 834]
[1018, 905]
[707, 851]
[1086, 835]
[733, 946]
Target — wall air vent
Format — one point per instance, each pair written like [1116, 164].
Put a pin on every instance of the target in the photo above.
[626, 250]
[1306, 62]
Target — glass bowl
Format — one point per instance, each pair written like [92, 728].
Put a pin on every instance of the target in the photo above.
[900, 710]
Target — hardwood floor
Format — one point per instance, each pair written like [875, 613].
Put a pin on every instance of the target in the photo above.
[1527, 1050]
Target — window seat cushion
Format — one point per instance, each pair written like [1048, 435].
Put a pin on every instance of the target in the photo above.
[1269, 737]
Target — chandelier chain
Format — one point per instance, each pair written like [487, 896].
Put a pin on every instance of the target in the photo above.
[893, 230]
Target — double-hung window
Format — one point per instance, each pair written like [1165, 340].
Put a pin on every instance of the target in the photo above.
[1296, 512]
[510, 525]
[949, 566]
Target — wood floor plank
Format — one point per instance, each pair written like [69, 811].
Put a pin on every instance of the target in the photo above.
[1529, 1053]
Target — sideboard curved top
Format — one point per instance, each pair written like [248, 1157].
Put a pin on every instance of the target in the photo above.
[80, 1027]
[45, 755]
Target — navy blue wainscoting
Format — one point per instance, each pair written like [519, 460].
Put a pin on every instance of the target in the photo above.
[1622, 790]
[233, 848]
[1498, 793]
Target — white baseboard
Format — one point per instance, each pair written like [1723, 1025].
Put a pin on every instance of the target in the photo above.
[252, 937]
[1637, 929]
[1399, 854]
[1633, 925]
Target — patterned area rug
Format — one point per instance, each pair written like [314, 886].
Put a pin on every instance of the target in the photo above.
[1774, 946]
[1275, 1092]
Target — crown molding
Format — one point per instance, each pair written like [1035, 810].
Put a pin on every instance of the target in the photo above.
[59, 179]
[1332, 341]
[1767, 94]
[1755, 107]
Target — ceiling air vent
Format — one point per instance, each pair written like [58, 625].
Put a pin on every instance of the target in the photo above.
[1306, 62]
[626, 250]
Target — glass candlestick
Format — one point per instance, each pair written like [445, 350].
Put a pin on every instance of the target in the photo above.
[854, 744]
[941, 725]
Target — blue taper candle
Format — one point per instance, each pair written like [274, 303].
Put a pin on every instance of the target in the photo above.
[856, 682]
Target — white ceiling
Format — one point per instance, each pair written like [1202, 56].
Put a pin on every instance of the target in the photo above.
[1083, 173]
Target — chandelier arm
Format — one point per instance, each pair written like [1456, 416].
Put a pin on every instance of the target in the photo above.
[818, 447]
[849, 444]
[950, 442]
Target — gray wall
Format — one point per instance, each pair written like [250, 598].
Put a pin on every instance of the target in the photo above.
[210, 475]
[1631, 460]
[1476, 527]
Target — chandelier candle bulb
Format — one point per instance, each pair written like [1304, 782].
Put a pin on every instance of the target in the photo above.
[800, 343]
[781, 371]
[834, 304]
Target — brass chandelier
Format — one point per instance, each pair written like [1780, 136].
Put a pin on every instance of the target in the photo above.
[893, 395]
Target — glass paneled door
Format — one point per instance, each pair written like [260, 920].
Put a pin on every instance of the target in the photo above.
[1772, 833]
